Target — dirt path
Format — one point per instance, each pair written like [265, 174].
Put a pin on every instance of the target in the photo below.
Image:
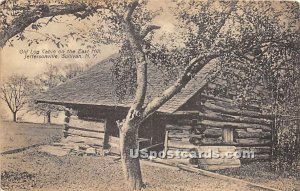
[35, 170]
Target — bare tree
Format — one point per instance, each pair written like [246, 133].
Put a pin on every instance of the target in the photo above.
[15, 92]
[50, 78]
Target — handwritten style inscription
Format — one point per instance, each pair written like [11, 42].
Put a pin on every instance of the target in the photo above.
[59, 54]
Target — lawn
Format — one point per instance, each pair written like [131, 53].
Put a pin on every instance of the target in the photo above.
[261, 173]
[35, 170]
[19, 135]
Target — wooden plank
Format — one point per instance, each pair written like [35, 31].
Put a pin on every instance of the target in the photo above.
[245, 134]
[237, 112]
[181, 121]
[219, 166]
[177, 149]
[177, 132]
[197, 136]
[220, 148]
[184, 135]
[230, 106]
[219, 161]
[84, 124]
[196, 143]
[85, 133]
[231, 118]
[153, 146]
[252, 130]
[212, 132]
[256, 150]
[253, 141]
[178, 127]
[230, 101]
[209, 141]
[234, 125]
[166, 141]
[75, 134]
[175, 138]
[113, 139]
[181, 145]
[83, 129]
[86, 140]
[227, 135]
[185, 113]
[116, 145]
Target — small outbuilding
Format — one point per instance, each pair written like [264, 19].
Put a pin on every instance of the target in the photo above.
[204, 115]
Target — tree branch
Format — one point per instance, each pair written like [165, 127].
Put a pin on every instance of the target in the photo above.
[141, 64]
[220, 25]
[31, 16]
[130, 11]
[148, 30]
[4, 92]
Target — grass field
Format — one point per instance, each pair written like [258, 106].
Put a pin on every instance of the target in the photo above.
[18, 135]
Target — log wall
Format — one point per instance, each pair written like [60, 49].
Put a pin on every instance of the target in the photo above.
[216, 121]
[98, 128]
[80, 130]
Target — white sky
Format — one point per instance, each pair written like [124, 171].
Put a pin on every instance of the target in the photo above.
[13, 62]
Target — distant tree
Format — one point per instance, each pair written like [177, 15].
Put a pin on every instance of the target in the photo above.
[50, 78]
[15, 92]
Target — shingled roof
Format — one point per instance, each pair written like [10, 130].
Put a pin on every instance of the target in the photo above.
[96, 87]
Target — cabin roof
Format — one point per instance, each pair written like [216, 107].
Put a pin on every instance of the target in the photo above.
[96, 87]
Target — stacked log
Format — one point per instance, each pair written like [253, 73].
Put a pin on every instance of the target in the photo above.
[82, 131]
[261, 153]
[114, 144]
[179, 132]
[207, 126]
[66, 122]
[209, 162]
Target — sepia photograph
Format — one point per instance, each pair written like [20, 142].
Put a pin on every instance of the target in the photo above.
[154, 95]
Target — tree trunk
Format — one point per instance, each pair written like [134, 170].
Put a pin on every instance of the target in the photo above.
[130, 165]
[48, 117]
[15, 116]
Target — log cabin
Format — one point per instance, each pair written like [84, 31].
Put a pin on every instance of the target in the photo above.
[205, 114]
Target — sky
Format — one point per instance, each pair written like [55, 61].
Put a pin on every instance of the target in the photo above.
[13, 60]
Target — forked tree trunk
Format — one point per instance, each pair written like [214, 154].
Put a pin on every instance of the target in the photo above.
[131, 166]
[15, 116]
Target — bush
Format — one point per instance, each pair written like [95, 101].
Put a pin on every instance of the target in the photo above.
[286, 145]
